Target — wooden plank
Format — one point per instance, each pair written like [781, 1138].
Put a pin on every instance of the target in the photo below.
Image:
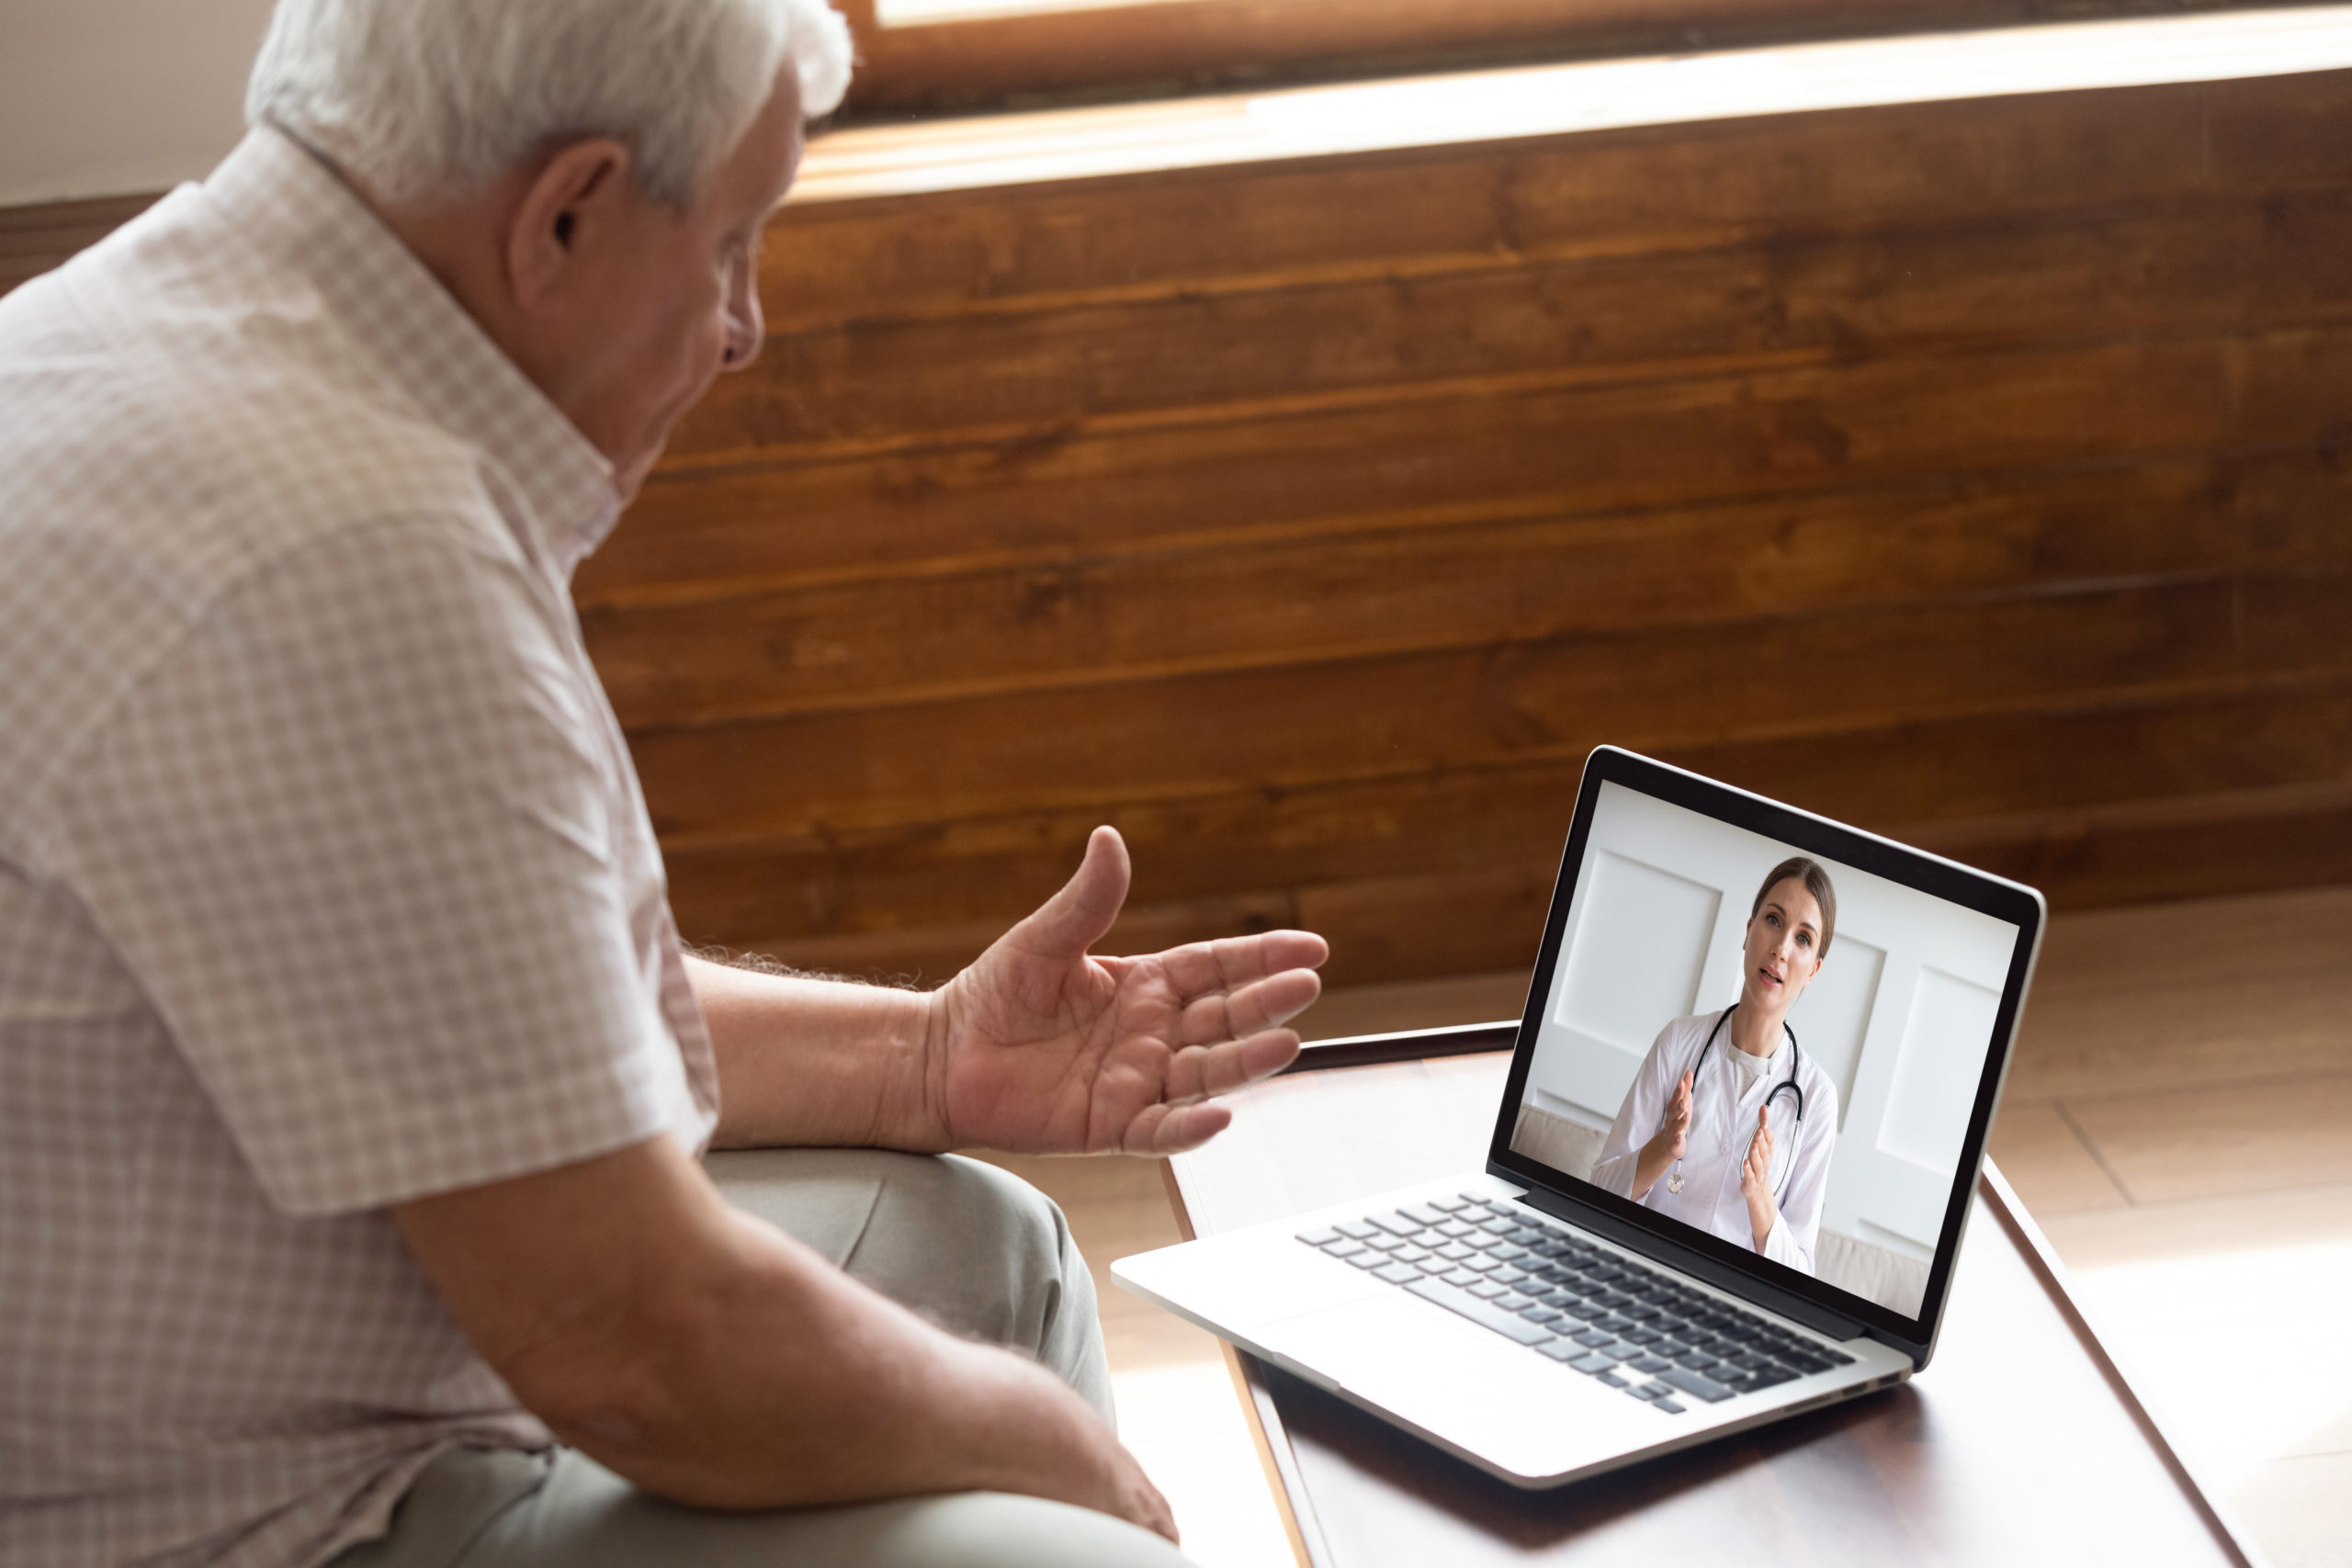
[1029, 450]
[2190, 270]
[1169, 234]
[1791, 679]
[1484, 917]
[1490, 444]
[1259, 604]
[2033, 777]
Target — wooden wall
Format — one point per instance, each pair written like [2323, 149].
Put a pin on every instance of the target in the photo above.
[1975, 472]
[1978, 472]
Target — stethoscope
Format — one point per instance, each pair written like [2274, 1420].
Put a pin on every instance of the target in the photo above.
[1786, 1086]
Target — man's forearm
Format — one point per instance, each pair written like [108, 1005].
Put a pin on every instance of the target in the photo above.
[810, 1062]
[796, 1386]
[708, 1358]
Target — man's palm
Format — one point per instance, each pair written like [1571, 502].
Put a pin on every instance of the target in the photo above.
[1043, 1049]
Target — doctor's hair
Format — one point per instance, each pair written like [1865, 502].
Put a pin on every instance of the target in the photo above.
[424, 99]
[1817, 881]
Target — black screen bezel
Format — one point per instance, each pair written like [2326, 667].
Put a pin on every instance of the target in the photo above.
[1981, 891]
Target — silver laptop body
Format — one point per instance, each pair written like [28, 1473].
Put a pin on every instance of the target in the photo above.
[1532, 1320]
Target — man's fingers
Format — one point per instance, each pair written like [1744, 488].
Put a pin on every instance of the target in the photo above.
[1263, 1004]
[1200, 1071]
[1173, 1129]
[1201, 968]
[1075, 919]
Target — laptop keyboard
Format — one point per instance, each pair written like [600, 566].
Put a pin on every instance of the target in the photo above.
[1630, 1326]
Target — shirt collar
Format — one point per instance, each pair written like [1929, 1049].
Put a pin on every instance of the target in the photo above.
[290, 206]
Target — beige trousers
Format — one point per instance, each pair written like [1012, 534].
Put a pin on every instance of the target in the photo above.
[979, 1252]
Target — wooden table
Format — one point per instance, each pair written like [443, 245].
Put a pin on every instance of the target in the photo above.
[2021, 1443]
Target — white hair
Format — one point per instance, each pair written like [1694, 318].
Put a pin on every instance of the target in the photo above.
[422, 98]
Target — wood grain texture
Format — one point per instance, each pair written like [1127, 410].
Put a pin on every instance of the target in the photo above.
[1979, 472]
[1970, 472]
[1646, 190]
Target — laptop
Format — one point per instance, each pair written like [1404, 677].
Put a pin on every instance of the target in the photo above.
[1731, 1168]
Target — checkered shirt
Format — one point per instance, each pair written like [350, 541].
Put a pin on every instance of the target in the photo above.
[324, 879]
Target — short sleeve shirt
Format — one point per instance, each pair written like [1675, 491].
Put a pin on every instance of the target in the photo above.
[325, 882]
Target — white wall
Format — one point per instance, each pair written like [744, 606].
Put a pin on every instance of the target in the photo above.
[108, 97]
[1900, 1018]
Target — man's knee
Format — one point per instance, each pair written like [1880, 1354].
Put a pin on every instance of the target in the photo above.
[975, 1246]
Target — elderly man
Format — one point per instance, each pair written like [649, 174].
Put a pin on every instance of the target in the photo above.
[353, 1084]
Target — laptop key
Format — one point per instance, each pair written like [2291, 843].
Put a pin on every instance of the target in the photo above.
[1486, 1289]
[1355, 1228]
[1459, 1276]
[1650, 1364]
[1440, 1266]
[1512, 1301]
[1690, 1381]
[1654, 1391]
[1595, 1336]
[1593, 1366]
[1613, 1379]
[1669, 1406]
[1561, 1349]
[1483, 1314]
[1450, 1205]
[1769, 1376]
[1318, 1239]
[1394, 1223]
[1368, 1258]
[1343, 1247]
[1549, 1318]
[1427, 1213]
[1622, 1351]
[1397, 1273]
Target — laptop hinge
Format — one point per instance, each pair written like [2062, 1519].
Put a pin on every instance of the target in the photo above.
[1633, 1239]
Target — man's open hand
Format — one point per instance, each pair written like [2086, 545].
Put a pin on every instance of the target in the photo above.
[1040, 1048]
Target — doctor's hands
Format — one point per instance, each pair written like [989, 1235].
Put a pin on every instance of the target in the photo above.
[1755, 1181]
[1667, 1143]
[1040, 1048]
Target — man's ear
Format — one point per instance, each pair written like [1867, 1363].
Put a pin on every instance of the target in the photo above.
[574, 202]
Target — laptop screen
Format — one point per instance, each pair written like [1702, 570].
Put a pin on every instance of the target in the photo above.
[1769, 1036]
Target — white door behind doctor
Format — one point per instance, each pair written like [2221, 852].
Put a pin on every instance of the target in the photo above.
[1900, 1018]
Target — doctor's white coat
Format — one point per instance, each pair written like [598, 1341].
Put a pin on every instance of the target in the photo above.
[1721, 1120]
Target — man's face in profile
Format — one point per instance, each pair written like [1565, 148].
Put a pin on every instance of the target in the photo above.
[674, 297]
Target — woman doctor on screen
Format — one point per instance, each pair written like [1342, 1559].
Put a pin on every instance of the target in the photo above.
[1729, 1126]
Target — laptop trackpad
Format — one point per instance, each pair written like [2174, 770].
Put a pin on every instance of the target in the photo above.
[1461, 1383]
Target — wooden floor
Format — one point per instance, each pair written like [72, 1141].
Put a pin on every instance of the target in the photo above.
[2178, 1119]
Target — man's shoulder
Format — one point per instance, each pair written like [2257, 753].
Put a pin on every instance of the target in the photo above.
[178, 420]
[174, 381]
